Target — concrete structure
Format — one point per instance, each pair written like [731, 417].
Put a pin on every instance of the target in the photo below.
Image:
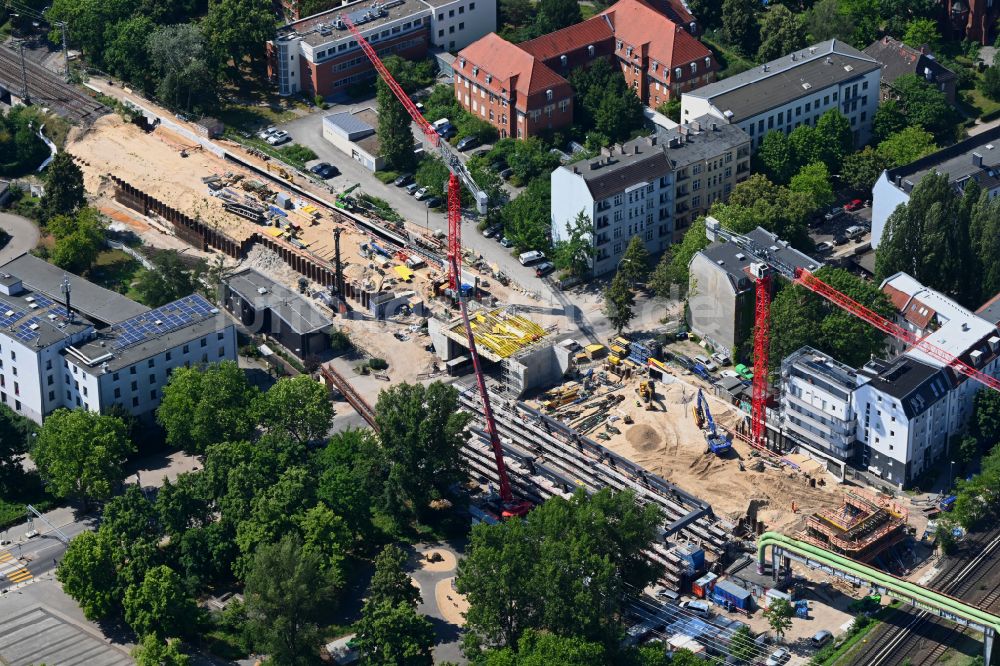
[102, 350]
[721, 291]
[898, 59]
[651, 186]
[627, 191]
[817, 409]
[266, 307]
[523, 90]
[794, 90]
[317, 55]
[354, 134]
[977, 158]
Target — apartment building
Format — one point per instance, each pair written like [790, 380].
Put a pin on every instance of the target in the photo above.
[976, 158]
[523, 89]
[627, 191]
[318, 55]
[794, 90]
[898, 59]
[721, 289]
[65, 342]
[709, 159]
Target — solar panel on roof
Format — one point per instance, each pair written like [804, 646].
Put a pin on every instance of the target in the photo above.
[172, 316]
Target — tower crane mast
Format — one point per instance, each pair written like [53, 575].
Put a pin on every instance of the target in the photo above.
[764, 264]
[459, 175]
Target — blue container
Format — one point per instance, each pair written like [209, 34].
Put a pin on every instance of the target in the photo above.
[692, 556]
[726, 592]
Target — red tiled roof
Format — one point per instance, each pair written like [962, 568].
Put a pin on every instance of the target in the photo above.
[912, 310]
[505, 61]
[555, 44]
[638, 24]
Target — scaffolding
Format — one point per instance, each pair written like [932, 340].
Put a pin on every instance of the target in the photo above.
[863, 527]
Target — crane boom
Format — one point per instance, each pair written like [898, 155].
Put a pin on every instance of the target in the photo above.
[766, 263]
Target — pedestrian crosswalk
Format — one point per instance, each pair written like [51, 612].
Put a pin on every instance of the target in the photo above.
[12, 569]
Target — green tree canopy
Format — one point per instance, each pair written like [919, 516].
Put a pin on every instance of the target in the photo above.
[285, 593]
[15, 430]
[922, 32]
[203, 406]
[390, 583]
[569, 568]
[758, 202]
[421, 431]
[923, 104]
[672, 269]
[777, 155]
[87, 574]
[863, 168]
[238, 29]
[160, 605]
[889, 118]
[634, 265]
[907, 145]
[81, 453]
[125, 54]
[169, 280]
[297, 407]
[350, 472]
[155, 651]
[184, 65]
[395, 138]
[21, 150]
[604, 102]
[782, 33]
[394, 635]
[526, 218]
[779, 616]
[739, 25]
[557, 14]
[64, 192]
[574, 254]
[813, 180]
[618, 302]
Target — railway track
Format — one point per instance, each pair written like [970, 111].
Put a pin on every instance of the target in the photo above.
[47, 89]
[894, 646]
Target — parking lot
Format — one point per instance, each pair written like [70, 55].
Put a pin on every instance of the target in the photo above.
[834, 232]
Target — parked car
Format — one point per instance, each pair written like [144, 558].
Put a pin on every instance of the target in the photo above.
[325, 170]
[697, 607]
[420, 108]
[403, 179]
[854, 204]
[411, 188]
[854, 232]
[722, 358]
[704, 360]
[778, 657]
[183, 116]
[467, 143]
[434, 202]
[507, 173]
[493, 230]
[506, 242]
[422, 194]
[824, 247]
[444, 128]
[265, 133]
[279, 137]
[530, 257]
[834, 213]
[544, 268]
[839, 239]
[821, 637]
[731, 374]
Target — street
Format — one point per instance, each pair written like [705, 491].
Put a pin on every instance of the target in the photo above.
[23, 236]
[26, 558]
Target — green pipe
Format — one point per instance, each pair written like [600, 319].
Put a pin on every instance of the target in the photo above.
[887, 580]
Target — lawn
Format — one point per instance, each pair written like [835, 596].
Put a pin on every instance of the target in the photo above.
[12, 508]
[254, 117]
[980, 104]
[114, 270]
[730, 62]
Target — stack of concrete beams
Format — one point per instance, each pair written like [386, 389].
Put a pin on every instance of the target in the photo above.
[546, 458]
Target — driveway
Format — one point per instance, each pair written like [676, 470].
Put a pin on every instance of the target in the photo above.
[24, 236]
[439, 600]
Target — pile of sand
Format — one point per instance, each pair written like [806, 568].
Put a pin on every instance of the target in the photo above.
[643, 437]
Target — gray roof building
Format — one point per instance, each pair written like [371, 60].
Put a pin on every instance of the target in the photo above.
[701, 139]
[636, 161]
[915, 384]
[95, 302]
[898, 59]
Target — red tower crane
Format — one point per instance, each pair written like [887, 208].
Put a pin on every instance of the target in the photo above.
[459, 175]
[765, 264]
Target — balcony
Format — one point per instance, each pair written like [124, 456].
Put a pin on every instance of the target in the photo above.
[603, 206]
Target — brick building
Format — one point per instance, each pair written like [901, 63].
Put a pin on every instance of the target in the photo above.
[523, 89]
[317, 55]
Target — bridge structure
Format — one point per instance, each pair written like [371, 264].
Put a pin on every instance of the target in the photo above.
[785, 549]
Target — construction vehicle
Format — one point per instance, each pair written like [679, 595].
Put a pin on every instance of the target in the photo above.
[719, 444]
[280, 171]
[511, 507]
[647, 391]
[764, 264]
[346, 202]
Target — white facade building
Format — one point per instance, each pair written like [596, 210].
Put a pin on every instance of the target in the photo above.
[457, 23]
[794, 90]
[976, 158]
[104, 349]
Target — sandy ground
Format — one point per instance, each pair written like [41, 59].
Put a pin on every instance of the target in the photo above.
[452, 605]
[668, 442]
[448, 560]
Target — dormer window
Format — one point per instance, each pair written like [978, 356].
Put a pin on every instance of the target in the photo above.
[489, 78]
[656, 65]
[708, 63]
[461, 63]
[694, 68]
[548, 95]
[677, 72]
[591, 50]
[563, 60]
[618, 46]
[475, 71]
[628, 52]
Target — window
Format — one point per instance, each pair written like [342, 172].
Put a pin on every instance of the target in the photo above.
[441, 18]
[461, 10]
[694, 68]
[118, 393]
[451, 29]
[17, 404]
[17, 389]
[441, 33]
[781, 117]
[151, 362]
[135, 386]
[131, 370]
[472, 6]
[695, 201]
[48, 364]
[85, 390]
[152, 379]
[677, 72]
[204, 342]
[135, 402]
[451, 13]
[708, 63]
[115, 376]
[13, 355]
[617, 248]
[152, 395]
[52, 396]
[461, 26]
[14, 370]
[548, 95]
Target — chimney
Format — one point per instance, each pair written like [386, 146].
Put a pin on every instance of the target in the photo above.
[652, 140]
[66, 287]
[977, 159]
[576, 170]
[829, 60]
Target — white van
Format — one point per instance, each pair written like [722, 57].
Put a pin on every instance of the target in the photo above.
[530, 257]
[697, 607]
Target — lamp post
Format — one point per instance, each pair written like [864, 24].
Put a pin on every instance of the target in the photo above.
[951, 474]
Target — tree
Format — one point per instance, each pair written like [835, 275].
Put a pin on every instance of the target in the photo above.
[22, 150]
[708, 12]
[390, 583]
[63, 186]
[160, 605]
[813, 180]
[604, 102]
[326, 534]
[155, 651]
[394, 635]
[169, 279]
[782, 33]
[575, 253]
[862, 169]
[298, 407]
[977, 501]
[15, 430]
[541, 648]
[779, 616]
[422, 433]
[80, 453]
[526, 219]
[925, 105]
[758, 202]
[807, 145]
[618, 302]
[777, 155]
[350, 471]
[922, 32]
[238, 29]
[125, 54]
[87, 573]
[634, 265]
[130, 517]
[967, 450]
[184, 66]
[79, 239]
[394, 135]
[742, 646]
[569, 568]
[889, 118]
[984, 229]
[986, 418]
[990, 85]
[739, 24]
[285, 593]
[836, 137]
[203, 406]
[906, 146]
[557, 14]
[672, 269]
[183, 504]
[825, 21]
